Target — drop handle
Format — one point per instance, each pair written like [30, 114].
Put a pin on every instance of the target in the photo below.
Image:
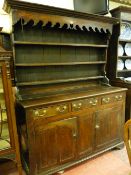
[40, 114]
[97, 126]
[77, 106]
[61, 108]
[74, 135]
[93, 102]
[106, 100]
[118, 97]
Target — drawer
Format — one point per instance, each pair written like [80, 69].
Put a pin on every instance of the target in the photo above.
[112, 98]
[77, 105]
[51, 110]
[82, 104]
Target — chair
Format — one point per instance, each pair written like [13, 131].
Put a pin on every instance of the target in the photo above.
[127, 138]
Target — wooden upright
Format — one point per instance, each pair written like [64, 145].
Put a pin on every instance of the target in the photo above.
[9, 145]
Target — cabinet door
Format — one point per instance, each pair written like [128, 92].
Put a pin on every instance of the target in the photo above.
[108, 126]
[55, 143]
[66, 138]
[86, 134]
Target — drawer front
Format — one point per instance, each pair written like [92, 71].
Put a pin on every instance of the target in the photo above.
[51, 110]
[112, 98]
[77, 105]
[86, 103]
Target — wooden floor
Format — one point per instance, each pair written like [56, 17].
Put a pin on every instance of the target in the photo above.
[111, 163]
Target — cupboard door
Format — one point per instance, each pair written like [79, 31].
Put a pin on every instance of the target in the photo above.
[86, 134]
[108, 126]
[46, 147]
[66, 138]
[55, 143]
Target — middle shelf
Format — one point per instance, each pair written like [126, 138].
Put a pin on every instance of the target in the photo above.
[58, 64]
[60, 44]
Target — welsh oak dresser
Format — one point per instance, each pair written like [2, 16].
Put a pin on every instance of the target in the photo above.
[66, 110]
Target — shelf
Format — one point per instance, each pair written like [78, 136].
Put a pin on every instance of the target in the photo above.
[60, 44]
[124, 57]
[124, 70]
[59, 64]
[125, 40]
[58, 81]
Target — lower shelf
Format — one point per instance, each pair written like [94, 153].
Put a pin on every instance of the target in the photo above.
[59, 81]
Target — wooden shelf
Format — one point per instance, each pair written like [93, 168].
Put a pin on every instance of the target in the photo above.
[60, 44]
[58, 81]
[124, 70]
[125, 40]
[124, 57]
[59, 64]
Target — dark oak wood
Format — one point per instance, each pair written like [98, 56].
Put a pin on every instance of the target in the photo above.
[62, 89]
[124, 14]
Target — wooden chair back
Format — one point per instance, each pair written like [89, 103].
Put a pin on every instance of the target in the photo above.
[127, 138]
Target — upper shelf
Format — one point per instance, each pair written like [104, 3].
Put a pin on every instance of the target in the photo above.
[125, 40]
[124, 57]
[59, 44]
[125, 70]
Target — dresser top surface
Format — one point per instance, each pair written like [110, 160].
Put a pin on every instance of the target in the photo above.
[70, 94]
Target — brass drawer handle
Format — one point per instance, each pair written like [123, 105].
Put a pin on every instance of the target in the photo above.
[106, 100]
[61, 108]
[77, 106]
[118, 97]
[93, 102]
[41, 113]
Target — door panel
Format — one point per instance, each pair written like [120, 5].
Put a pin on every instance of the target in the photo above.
[108, 126]
[46, 149]
[55, 143]
[86, 134]
[67, 133]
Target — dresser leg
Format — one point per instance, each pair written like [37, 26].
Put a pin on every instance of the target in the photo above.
[61, 172]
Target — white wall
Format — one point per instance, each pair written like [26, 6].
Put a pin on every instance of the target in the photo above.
[57, 3]
[5, 19]
[6, 22]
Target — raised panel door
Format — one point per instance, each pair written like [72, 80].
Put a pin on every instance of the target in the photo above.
[55, 143]
[86, 134]
[108, 126]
